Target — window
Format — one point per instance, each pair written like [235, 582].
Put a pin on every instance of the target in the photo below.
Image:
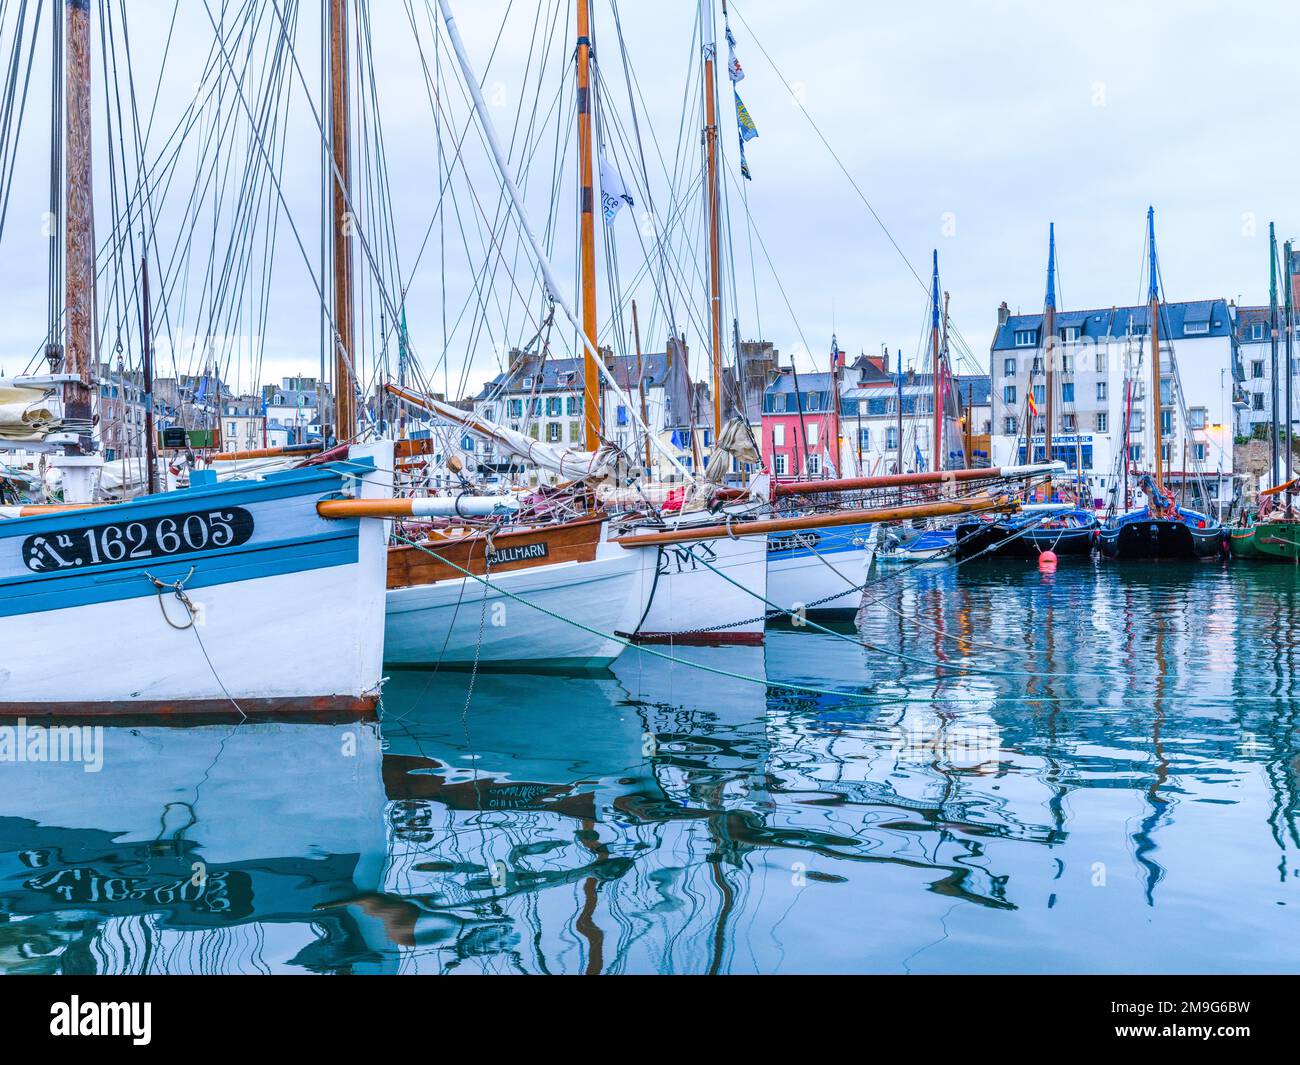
[812, 434]
[813, 401]
[1256, 330]
[1067, 392]
[1009, 395]
[516, 408]
[877, 406]
[1166, 391]
[1194, 328]
[528, 382]
[1070, 334]
[1198, 452]
[573, 406]
[814, 465]
[778, 465]
[490, 413]
[1040, 425]
[1101, 362]
[1257, 369]
[1009, 426]
[1037, 366]
[891, 438]
[575, 432]
[1197, 418]
[1166, 421]
[708, 437]
[778, 436]
[620, 415]
[1102, 421]
[1009, 367]
[553, 432]
[1135, 422]
[864, 438]
[1065, 364]
[778, 403]
[553, 406]
[532, 430]
[1101, 391]
[1164, 452]
[1040, 395]
[1026, 338]
[536, 408]
[1257, 401]
[1135, 453]
[1068, 423]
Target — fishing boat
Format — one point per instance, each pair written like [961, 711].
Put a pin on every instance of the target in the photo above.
[177, 603]
[1161, 529]
[820, 572]
[1272, 533]
[1067, 531]
[903, 544]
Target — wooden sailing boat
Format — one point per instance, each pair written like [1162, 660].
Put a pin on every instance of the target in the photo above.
[184, 602]
[1272, 533]
[1162, 528]
[1067, 531]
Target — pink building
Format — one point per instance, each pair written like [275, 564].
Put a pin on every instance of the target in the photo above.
[801, 423]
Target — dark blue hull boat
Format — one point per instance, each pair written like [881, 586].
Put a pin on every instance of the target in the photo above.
[1070, 534]
[1141, 535]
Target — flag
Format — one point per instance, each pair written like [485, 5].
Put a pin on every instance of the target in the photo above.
[920, 459]
[613, 194]
[748, 131]
[1033, 407]
[734, 70]
[744, 164]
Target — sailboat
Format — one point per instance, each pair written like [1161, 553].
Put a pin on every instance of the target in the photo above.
[1063, 529]
[184, 602]
[1161, 529]
[1272, 532]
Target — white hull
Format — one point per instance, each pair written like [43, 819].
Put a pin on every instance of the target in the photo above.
[465, 623]
[709, 591]
[271, 631]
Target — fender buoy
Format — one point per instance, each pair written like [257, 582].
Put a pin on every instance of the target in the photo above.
[1047, 561]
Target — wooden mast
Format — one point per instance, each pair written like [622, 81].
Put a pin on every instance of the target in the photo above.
[709, 88]
[146, 338]
[1157, 429]
[79, 225]
[587, 205]
[936, 383]
[1049, 345]
[345, 414]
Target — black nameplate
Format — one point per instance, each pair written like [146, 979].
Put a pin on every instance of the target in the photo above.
[138, 541]
[522, 553]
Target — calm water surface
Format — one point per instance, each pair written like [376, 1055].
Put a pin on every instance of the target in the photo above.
[1091, 771]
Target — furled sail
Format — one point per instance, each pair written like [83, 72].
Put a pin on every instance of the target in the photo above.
[572, 465]
[28, 414]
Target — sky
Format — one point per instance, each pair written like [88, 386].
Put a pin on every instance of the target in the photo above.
[965, 127]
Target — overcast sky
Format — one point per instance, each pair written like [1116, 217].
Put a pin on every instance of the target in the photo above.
[967, 126]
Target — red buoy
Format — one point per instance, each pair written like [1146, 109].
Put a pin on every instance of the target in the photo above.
[1047, 561]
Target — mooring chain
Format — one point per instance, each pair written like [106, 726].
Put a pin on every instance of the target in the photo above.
[177, 588]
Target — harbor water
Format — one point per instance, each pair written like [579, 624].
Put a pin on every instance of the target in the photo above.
[991, 770]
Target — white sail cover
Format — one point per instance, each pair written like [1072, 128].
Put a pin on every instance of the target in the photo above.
[28, 414]
[572, 465]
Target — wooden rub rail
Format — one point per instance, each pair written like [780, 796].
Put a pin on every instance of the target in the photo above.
[819, 521]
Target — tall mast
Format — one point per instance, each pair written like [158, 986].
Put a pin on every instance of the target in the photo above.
[1049, 342]
[709, 88]
[146, 339]
[79, 231]
[1157, 429]
[1289, 386]
[345, 414]
[936, 459]
[1273, 328]
[587, 195]
[640, 385]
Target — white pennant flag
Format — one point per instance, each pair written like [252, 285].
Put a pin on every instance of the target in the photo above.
[734, 71]
[613, 194]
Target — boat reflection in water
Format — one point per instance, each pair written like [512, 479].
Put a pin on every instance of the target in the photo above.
[214, 849]
[988, 771]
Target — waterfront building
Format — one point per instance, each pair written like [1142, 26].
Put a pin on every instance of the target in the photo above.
[1096, 352]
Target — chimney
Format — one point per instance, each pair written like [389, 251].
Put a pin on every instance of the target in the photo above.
[1004, 312]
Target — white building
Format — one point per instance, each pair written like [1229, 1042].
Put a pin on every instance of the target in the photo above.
[1095, 353]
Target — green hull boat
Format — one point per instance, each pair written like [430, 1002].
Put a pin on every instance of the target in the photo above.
[1275, 541]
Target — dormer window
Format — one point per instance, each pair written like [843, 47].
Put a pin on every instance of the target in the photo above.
[1070, 333]
[1256, 330]
[1026, 338]
[1194, 328]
